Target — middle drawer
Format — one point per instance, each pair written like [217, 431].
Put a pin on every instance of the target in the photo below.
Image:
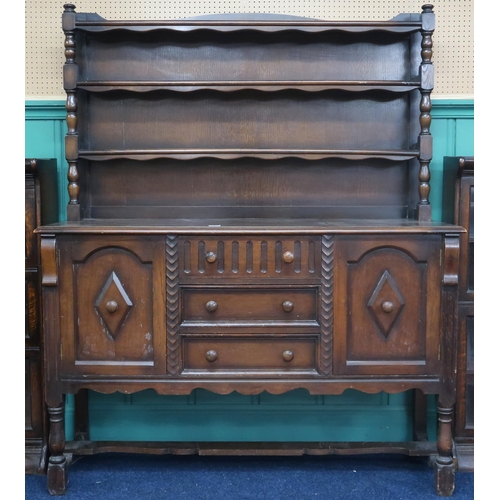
[218, 304]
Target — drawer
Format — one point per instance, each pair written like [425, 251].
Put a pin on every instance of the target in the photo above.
[249, 257]
[256, 304]
[250, 355]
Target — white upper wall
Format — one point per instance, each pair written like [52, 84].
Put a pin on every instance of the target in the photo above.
[453, 39]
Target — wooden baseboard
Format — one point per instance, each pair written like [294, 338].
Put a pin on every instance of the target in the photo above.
[465, 456]
[35, 459]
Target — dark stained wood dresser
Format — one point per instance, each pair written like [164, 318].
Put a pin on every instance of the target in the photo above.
[40, 208]
[458, 207]
[249, 211]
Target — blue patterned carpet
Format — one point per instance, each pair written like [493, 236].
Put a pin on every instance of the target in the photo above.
[374, 477]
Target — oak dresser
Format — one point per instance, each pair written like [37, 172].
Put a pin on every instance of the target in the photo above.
[249, 211]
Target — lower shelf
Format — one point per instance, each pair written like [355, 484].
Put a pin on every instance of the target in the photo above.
[412, 448]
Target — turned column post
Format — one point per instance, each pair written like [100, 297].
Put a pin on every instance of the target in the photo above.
[444, 466]
[425, 138]
[70, 73]
[57, 467]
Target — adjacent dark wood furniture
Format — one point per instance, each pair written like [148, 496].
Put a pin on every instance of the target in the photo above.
[40, 208]
[249, 212]
[458, 207]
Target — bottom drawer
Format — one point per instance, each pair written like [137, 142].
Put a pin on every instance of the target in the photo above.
[255, 355]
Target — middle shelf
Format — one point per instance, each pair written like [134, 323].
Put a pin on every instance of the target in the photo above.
[234, 85]
[231, 154]
[248, 122]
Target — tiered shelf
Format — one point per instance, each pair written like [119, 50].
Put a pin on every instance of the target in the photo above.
[287, 94]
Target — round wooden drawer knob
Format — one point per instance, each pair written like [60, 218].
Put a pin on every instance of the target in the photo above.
[288, 355]
[211, 355]
[288, 257]
[111, 306]
[211, 306]
[211, 257]
[287, 306]
[388, 307]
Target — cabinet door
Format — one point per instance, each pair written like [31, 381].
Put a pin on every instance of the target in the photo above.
[112, 305]
[387, 302]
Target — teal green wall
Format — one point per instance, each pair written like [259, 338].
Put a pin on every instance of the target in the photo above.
[295, 416]
[453, 135]
[45, 128]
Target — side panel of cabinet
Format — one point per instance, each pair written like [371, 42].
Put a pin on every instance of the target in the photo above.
[465, 374]
[113, 318]
[387, 302]
[33, 406]
[466, 219]
[32, 320]
[31, 221]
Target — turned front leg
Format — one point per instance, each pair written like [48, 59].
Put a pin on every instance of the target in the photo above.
[57, 467]
[444, 467]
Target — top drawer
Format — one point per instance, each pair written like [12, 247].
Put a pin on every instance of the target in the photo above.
[255, 257]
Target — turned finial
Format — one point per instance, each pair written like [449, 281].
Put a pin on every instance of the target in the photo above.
[69, 7]
[427, 7]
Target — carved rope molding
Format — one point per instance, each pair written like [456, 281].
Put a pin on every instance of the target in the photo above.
[173, 306]
[326, 310]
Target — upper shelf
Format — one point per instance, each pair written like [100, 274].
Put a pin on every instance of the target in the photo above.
[233, 52]
[404, 23]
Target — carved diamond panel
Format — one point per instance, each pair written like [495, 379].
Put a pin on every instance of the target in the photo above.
[113, 305]
[386, 303]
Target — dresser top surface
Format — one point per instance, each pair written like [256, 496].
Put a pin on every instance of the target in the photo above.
[249, 226]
